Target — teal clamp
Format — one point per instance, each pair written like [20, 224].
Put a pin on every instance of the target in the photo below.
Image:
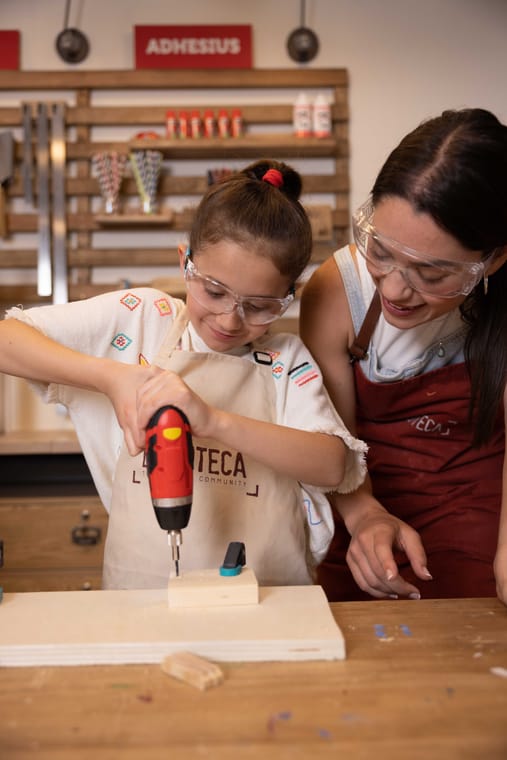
[234, 560]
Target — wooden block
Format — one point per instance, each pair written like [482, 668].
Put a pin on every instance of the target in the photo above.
[207, 588]
[192, 669]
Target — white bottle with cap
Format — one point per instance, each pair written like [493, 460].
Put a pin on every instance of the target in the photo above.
[321, 116]
[302, 116]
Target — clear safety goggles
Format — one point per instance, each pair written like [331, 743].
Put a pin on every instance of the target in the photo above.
[433, 276]
[219, 299]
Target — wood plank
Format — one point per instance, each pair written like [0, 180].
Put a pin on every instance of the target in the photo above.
[88, 222]
[180, 79]
[170, 185]
[258, 145]
[155, 115]
[119, 257]
[290, 623]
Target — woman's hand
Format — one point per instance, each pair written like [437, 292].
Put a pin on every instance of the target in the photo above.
[370, 554]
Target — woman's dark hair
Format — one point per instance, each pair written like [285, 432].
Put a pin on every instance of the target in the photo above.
[251, 211]
[454, 168]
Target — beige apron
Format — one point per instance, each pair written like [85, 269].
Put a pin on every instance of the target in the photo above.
[235, 498]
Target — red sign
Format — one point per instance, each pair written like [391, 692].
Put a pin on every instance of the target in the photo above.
[193, 47]
[9, 49]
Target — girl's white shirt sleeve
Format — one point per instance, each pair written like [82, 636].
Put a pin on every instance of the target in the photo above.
[127, 326]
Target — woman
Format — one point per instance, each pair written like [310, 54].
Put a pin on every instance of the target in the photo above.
[422, 379]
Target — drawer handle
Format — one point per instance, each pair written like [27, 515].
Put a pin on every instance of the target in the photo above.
[86, 535]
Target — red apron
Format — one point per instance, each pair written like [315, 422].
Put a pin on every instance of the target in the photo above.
[424, 471]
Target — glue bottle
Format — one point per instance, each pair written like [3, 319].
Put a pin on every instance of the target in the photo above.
[321, 116]
[302, 116]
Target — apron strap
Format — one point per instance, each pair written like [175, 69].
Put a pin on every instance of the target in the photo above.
[359, 348]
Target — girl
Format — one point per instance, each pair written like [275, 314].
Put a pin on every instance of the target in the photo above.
[429, 368]
[261, 420]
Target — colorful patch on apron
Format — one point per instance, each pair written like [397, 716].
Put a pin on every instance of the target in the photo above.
[303, 373]
[121, 341]
[130, 301]
[163, 307]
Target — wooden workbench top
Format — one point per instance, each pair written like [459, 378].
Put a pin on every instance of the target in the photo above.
[421, 680]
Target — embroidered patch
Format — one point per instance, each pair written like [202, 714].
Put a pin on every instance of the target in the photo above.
[130, 301]
[121, 341]
[303, 373]
[163, 307]
[277, 370]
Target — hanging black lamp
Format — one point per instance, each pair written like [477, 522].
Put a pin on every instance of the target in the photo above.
[302, 43]
[71, 44]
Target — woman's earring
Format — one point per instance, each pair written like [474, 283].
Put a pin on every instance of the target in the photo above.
[485, 284]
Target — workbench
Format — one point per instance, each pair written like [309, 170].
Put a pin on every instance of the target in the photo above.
[422, 679]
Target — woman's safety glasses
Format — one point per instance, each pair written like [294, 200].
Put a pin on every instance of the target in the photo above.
[219, 299]
[436, 277]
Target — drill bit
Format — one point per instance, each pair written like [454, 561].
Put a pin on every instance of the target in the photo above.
[175, 540]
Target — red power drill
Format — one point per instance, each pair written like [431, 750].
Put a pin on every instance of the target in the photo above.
[170, 461]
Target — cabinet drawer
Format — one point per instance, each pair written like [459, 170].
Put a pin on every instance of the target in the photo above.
[57, 536]
[17, 581]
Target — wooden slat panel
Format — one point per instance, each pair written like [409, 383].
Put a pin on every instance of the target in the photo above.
[82, 188]
[80, 222]
[169, 185]
[180, 79]
[118, 257]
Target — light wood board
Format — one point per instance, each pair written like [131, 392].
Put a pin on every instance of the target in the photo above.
[122, 627]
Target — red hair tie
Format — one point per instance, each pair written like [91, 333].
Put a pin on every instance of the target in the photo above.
[274, 177]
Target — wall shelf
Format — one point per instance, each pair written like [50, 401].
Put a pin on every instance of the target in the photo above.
[94, 119]
[134, 220]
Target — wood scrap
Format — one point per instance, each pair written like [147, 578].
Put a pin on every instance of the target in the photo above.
[192, 669]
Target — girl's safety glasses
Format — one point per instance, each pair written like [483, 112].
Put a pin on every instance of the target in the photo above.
[422, 272]
[219, 299]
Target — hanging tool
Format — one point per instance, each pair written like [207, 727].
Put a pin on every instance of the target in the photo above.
[59, 222]
[44, 275]
[27, 169]
[6, 169]
[170, 461]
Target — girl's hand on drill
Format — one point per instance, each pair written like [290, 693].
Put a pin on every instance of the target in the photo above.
[121, 383]
[166, 387]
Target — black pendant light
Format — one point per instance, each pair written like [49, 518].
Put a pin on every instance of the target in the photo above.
[71, 44]
[302, 43]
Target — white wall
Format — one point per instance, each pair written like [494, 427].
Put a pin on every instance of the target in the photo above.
[407, 59]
